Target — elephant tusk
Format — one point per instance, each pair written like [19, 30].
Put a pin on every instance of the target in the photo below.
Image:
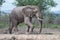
[40, 19]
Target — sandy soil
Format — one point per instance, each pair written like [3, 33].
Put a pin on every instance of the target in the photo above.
[47, 34]
[28, 37]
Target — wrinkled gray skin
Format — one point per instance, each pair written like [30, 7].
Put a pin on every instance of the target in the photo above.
[24, 14]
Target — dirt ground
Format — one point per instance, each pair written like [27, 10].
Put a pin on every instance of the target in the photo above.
[47, 34]
[36, 31]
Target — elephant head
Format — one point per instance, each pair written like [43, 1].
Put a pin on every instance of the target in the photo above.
[32, 11]
[28, 11]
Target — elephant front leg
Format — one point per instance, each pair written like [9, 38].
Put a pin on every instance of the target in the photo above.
[40, 27]
[30, 27]
[40, 19]
[29, 24]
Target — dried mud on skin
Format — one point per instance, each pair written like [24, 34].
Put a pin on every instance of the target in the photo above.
[28, 37]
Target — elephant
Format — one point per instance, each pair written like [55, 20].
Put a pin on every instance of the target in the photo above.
[24, 14]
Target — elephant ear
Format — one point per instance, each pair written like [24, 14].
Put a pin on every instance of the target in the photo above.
[27, 11]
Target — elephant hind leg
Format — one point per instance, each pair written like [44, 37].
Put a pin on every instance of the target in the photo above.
[10, 28]
[17, 26]
[13, 26]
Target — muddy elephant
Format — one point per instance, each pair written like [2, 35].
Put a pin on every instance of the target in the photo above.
[24, 14]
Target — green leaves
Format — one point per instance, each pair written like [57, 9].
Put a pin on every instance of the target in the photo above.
[1, 1]
[43, 4]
